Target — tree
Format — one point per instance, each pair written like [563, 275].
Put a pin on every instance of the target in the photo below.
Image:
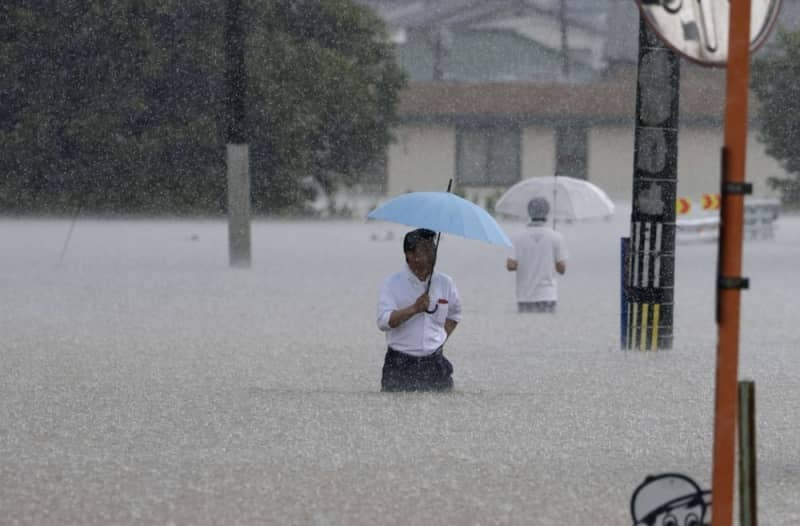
[112, 107]
[323, 85]
[776, 82]
[118, 107]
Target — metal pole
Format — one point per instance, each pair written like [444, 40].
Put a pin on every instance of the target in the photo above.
[237, 153]
[748, 508]
[651, 277]
[729, 280]
[624, 244]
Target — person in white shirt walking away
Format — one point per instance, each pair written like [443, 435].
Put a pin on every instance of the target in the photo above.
[418, 320]
[539, 252]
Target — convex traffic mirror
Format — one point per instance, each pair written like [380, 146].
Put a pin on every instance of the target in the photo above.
[698, 29]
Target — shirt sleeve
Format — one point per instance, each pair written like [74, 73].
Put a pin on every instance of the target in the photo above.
[454, 304]
[386, 304]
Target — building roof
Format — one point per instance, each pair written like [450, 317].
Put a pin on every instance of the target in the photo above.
[702, 99]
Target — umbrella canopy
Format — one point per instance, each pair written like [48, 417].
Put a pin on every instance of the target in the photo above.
[442, 212]
[569, 198]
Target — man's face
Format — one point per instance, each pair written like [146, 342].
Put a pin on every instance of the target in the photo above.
[421, 258]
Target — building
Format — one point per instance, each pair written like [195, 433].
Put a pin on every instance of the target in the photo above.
[505, 90]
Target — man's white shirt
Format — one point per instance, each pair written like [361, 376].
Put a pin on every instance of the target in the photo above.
[423, 333]
[536, 251]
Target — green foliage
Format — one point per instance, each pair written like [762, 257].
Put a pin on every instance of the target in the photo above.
[776, 82]
[119, 107]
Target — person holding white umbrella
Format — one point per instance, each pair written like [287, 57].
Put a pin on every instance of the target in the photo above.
[538, 254]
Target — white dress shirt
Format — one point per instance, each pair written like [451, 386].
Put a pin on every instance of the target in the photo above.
[423, 333]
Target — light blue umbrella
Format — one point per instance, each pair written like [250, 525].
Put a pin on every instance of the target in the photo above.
[442, 212]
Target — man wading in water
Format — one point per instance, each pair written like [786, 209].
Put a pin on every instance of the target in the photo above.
[418, 320]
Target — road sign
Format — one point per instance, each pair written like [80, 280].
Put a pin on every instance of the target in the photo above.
[710, 201]
[683, 205]
[698, 29]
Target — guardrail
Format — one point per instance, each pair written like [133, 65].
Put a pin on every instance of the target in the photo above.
[760, 215]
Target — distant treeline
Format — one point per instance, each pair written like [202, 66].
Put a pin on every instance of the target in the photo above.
[119, 107]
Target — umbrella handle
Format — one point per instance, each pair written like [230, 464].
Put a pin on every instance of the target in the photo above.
[434, 309]
[430, 278]
[435, 253]
[555, 189]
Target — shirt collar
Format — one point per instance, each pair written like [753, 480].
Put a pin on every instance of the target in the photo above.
[413, 279]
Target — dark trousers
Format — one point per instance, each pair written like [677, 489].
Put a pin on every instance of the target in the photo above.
[403, 372]
[537, 306]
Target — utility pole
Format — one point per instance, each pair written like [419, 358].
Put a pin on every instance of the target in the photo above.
[438, 52]
[729, 278]
[237, 156]
[650, 279]
[562, 20]
[746, 24]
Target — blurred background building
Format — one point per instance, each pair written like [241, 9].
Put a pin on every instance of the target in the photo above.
[501, 90]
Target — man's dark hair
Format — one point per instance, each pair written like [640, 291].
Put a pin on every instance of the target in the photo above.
[415, 236]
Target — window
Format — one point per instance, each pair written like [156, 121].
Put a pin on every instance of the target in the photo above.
[488, 156]
[571, 151]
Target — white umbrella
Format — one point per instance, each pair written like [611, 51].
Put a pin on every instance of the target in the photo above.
[569, 198]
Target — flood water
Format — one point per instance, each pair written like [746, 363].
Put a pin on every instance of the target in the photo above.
[143, 381]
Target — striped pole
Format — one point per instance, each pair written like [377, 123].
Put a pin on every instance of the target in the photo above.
[650, 283]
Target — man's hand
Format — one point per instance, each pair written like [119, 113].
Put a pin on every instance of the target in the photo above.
[402, 315]
[449, 326]
[421, 305]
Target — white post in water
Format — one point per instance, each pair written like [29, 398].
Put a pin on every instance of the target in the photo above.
[237, 155]
[238, 162]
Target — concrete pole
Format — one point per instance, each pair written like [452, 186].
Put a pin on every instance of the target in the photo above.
[237, 156]
[237, 159]
[651, 265]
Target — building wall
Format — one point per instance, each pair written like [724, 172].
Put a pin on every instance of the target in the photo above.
[611, 162]
[422, 158]
[699, 163]
[538, 152]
